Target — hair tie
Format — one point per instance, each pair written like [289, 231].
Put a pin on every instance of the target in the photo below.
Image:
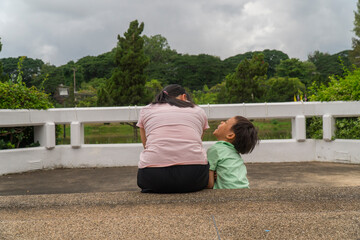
[166, 92]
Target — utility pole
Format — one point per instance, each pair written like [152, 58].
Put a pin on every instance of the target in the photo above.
[74, 87]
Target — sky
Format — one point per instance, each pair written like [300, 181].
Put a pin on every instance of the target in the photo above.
[59, 31]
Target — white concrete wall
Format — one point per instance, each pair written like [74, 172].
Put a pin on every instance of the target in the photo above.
[78, 154]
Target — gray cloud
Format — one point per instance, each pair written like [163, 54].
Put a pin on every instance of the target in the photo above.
[60, 31]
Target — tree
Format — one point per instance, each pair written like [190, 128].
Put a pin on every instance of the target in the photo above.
[206, 95]
[127, 83]
[87, 94]
[30, 68]
[246, 84]
[345, 88]
[195, 71]
[294, 68]
[209, 70]
[15, 95]
[355, 53]
[272, 57]
[328, 65]
[160, 55]
[153, 87]
[282, 89]
[2, 77]
[97, 66]
[55, 76]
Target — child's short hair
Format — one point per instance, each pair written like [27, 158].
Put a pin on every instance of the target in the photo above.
[245, 135]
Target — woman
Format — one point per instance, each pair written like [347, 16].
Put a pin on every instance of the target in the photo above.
[171, 130]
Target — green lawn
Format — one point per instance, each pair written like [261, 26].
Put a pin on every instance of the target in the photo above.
[100, 133]
[274, 129]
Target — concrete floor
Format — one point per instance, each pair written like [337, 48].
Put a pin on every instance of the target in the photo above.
[286, 201]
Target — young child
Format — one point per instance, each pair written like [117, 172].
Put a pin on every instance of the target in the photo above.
[227, 169]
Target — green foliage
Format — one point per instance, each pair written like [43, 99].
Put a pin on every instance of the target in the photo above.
[282, 89]
[355, 53]
[30, 68]
[294, 68]
[328, 65]
[221, 92]
[273, 129]
[161, 58]
[90, 101]
[87, 95]
[357, 20]
[153, 87]
[346, 88]
[272, 57]
[206, 95]
[348, 128]
[167, 66]
[314, 128]
[2, 76]
[97, 67]
[245, 85]
[127, 83]
[195, 71]
[17, 96]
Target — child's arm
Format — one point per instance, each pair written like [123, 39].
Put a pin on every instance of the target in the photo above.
[211, 179]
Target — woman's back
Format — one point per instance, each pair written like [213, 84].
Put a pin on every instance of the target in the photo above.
[171, 129]
[173, 135]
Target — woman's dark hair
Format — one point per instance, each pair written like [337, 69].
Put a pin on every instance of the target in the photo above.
[169, 94]
[246, 136]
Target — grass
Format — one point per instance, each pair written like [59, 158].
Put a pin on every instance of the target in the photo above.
[273, 129]
[105, 133]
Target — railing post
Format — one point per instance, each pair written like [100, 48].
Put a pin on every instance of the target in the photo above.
[45, 134]
[298, 127]
[77, 134]
[328, 127]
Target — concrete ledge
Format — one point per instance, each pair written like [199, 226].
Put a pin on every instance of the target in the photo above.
[283, 213]
[309, 200]
[207, 196]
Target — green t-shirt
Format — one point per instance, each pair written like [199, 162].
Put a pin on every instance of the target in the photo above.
[229, 166]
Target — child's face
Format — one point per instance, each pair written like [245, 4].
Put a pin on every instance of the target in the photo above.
[224, 132]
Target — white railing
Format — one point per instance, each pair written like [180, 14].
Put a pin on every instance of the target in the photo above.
[78, 154]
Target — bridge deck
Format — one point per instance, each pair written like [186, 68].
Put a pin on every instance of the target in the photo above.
[286, 201]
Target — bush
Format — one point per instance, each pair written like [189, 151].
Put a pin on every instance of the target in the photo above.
[18, 96]
[314, 128]
[346, 88]
[348, 128]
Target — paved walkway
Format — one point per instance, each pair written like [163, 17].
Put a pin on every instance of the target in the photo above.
[286, 201]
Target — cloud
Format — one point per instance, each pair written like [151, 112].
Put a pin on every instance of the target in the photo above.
[61, 31]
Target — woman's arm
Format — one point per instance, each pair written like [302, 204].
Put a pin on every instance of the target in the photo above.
[211, 179]
[143, 136]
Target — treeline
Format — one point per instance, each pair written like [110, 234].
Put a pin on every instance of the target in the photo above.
[139, 66]
[207, 77]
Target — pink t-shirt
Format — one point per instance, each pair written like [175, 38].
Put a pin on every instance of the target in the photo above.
[173, 135]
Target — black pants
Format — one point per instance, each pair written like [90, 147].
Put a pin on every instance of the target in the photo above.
[173, 179]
